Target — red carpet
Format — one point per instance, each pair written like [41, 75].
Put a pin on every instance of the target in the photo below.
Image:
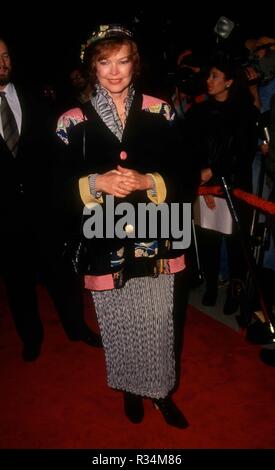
[62, 400]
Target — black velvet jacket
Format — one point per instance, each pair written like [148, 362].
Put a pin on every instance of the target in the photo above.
[223, 136]
[152, 144]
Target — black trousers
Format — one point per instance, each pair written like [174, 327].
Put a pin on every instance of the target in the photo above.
[26, 258]
[210, 251]
[209, 242]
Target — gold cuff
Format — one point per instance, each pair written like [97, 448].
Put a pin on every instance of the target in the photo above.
[160, 189]
[84, 191]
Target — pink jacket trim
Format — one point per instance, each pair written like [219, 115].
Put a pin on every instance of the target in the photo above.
[74, 113]
[106, 282]
[151, 101]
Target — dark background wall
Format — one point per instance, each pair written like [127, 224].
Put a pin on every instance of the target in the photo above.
[46, 38]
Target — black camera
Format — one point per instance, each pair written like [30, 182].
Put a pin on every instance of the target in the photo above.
[265, 66]
[189, 82]
[229, 40]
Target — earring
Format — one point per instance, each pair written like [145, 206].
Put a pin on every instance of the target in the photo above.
[227, 86]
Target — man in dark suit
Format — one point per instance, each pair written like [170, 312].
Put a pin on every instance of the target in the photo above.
[29, 240]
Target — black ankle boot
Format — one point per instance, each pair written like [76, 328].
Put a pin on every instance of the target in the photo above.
[171, 413]
[133, 407]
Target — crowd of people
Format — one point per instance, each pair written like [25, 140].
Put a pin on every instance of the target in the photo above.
[117, 146]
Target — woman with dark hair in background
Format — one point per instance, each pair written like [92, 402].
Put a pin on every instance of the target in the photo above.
[121, 144]
[223, 136]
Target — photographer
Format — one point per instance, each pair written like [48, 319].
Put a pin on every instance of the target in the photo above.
[268, 355]
[189, 86]
[261, 75]
[261, 70]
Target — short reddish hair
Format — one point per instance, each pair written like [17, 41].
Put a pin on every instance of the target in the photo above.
[104, 49]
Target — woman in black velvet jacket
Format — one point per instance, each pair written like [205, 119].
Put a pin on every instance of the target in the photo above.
[121, 147]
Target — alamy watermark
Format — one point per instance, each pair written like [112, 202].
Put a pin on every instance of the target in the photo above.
[145, 220]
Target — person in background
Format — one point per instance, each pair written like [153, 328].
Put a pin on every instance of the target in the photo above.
[188, 89]
[80, 85]
[29, 243]
[267, 354]
[262, 86]
[222, 133]
[121, 145]
[260, 71]
[270, 161]
[189, 85]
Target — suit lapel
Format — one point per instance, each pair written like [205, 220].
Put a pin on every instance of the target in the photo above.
[4, 150]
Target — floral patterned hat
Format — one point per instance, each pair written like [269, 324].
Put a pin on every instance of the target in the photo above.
[104, 32]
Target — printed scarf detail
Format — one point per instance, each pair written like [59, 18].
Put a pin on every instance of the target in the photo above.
[106, 109]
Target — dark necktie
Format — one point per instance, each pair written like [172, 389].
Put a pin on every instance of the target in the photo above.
[10, 129]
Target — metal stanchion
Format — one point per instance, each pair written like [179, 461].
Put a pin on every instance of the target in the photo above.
[199, 269]
[264, 333]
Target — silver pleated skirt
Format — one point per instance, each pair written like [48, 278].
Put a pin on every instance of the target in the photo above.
[136, 326]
